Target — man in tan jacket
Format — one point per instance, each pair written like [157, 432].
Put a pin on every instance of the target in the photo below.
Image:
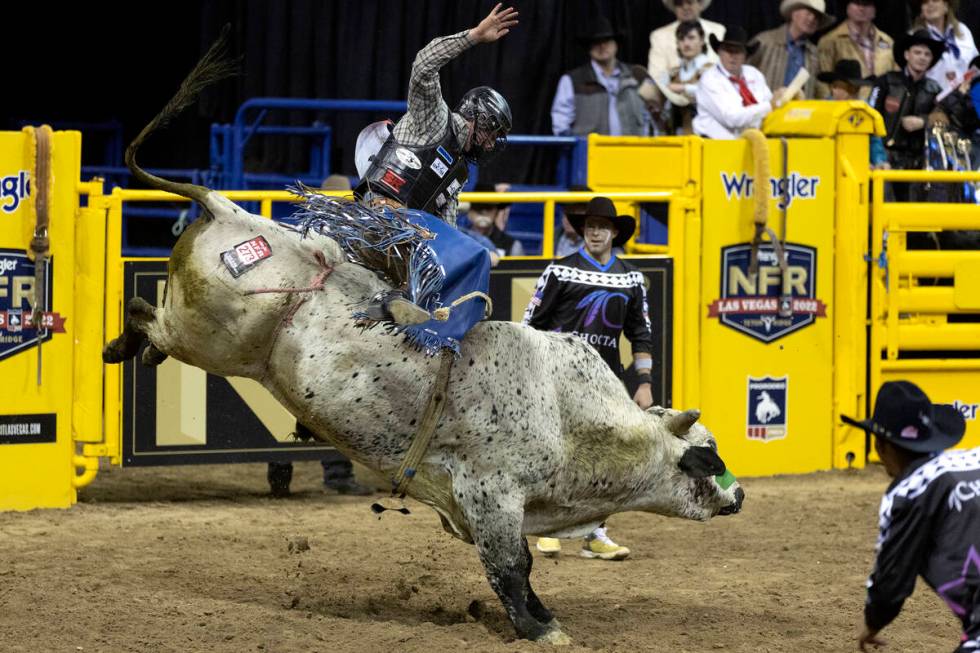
[858, 38]
[784, 50]
[663, 41]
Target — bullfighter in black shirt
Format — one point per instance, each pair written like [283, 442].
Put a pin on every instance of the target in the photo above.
[929, 518]
[596, 296]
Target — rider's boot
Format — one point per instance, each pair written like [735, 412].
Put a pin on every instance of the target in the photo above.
[395, 307]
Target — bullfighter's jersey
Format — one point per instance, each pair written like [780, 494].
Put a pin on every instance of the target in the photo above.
[594, 302]
[930, 526]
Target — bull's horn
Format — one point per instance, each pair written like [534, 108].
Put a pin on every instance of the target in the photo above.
[680, 423]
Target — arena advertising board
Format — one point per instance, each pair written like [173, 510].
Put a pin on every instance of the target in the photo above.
[766, 413]
[28, 429]
[769, 304]
[176, 414]
[17, 280]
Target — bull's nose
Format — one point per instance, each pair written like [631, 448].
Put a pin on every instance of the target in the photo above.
[735, 507]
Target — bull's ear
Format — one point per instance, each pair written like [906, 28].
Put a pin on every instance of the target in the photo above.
[699, 462]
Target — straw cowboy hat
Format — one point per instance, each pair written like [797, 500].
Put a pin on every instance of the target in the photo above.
[905, 417]
[819, 7]
[603, 207]
[670, 4]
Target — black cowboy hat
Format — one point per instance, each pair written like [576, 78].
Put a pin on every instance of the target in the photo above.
[846, 70]
[735, 37]
[601, 30]
[575, 207]
[918, 37]
[905, 417]
[486, 187]
[603, 207]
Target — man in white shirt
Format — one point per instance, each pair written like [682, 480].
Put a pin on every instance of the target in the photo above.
[732, 96]
[663, 55]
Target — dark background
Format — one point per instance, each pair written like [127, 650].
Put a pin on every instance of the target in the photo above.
[123, 61]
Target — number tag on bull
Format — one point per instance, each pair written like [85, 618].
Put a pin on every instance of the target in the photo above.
[246, 255]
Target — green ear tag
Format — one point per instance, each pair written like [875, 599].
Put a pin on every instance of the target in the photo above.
[726, 479]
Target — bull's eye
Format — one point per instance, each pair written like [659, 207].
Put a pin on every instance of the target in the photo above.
[713, 444]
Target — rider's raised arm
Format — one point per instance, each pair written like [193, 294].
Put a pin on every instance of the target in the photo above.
[428, 113]
[427, 110]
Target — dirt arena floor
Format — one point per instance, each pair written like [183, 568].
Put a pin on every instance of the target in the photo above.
[199, 559]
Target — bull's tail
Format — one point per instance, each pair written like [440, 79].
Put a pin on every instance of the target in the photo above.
[213, 67]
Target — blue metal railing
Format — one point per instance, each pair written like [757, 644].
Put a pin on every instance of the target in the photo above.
[228, 142]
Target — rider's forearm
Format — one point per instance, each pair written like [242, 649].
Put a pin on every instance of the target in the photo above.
[424, 84]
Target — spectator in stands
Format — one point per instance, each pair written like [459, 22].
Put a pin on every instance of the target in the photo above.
[905, 98]
[692, 51]
[570, 241]
[603, 95]
[857, 38]
[663, 55]
[731, 96]
[939, 18]
[929, 521]
[485, 220]
[567, 298]
[845, 81]
[784, 50]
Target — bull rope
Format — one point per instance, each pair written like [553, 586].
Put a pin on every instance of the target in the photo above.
[423, 436]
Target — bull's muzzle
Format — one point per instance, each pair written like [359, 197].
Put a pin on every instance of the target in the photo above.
[736, 507]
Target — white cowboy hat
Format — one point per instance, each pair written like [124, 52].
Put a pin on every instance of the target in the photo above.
[786, 7]
[670, 4]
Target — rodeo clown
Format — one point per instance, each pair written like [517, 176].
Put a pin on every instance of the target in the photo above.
[423, 162]
[597, 297]
[930, 514]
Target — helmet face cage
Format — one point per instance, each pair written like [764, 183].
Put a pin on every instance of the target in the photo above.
[491, 119]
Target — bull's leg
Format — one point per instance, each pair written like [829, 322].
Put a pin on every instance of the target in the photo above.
[534, 605]
[495, 522]
[138, 313]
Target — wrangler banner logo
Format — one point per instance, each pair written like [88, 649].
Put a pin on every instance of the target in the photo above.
[769, 304]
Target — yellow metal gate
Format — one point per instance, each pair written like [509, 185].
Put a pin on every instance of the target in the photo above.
[925, 324]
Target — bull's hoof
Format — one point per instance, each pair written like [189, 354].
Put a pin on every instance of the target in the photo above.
[152, 356]
[111, 355]
[556, 637]
[118, 351]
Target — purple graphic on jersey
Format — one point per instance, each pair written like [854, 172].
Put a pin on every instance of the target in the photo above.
[972, 558]
[596, 302]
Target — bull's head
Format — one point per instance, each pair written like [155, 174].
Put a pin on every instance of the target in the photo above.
[702, 485]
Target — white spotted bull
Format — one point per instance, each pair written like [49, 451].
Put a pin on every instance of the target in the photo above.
[538, 436]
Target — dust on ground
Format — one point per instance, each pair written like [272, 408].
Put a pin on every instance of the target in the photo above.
[200, 558]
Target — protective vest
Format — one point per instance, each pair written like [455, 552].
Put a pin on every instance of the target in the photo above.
[422, 178]
[895, 96]
[592, 101]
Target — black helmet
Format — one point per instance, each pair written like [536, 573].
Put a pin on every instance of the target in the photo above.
[491, 117]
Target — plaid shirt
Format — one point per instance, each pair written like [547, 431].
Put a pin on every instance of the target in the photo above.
[427, 118]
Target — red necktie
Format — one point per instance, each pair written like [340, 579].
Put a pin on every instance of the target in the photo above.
[743, 89]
